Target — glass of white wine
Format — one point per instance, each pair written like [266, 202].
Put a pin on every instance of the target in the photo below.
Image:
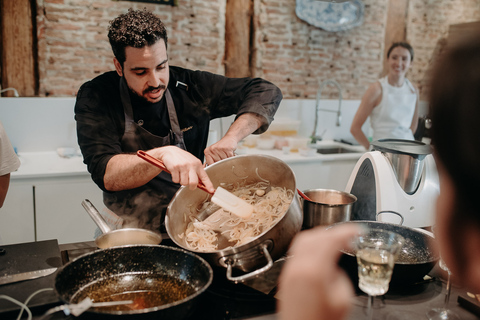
[376, 252]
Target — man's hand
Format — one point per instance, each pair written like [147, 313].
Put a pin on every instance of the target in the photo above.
[220, 150]
[128, 171]
[186, 169]
[244, 125]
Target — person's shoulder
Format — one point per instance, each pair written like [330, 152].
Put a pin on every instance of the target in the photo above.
[413, 87]
[373, 95]
[179, 72]
[198, 78]
[101, 91]
[103, 82]
[375, 88]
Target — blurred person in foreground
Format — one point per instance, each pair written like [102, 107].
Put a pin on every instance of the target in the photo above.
[391, 102]
[9, 163]
[312, 286]
[146, 104]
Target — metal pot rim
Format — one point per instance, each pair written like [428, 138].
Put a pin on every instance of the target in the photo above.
[349, 195]
[248, 245]
[114, 233]
[424, 232]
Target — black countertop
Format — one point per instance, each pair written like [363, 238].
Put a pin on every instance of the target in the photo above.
[256, 301]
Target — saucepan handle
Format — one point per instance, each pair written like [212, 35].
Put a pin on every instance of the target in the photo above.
[303, 195]
[95, 215]
[252, 274]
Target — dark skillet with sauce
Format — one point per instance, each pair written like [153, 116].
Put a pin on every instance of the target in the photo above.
[158, 279]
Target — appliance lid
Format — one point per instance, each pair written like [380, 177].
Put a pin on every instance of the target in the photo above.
[413, 148]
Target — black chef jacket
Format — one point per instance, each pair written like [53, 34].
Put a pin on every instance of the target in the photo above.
[198, 97]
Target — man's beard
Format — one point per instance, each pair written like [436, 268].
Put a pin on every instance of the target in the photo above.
[141, 98]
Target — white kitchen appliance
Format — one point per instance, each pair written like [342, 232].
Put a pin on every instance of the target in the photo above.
[396, 182]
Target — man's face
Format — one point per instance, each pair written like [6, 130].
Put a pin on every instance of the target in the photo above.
[146, 70]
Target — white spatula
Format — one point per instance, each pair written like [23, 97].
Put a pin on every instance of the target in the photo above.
[221, 197]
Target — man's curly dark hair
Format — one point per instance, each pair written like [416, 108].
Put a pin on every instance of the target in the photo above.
[136, 28]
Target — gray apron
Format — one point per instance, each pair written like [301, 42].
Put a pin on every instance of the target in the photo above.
[145, 206]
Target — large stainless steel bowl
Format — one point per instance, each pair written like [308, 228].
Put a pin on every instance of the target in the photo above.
[257, 254]
[406, 158]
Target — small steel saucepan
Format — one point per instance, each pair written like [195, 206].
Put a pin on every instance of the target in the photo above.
[326, 207]
[112, 238]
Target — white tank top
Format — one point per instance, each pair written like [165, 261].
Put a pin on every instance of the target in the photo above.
[392, 118]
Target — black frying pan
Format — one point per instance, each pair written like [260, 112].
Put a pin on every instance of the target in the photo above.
[111, 238]
[162, 282]
[416, 260]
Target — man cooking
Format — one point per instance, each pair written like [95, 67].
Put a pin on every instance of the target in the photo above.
[165, 110]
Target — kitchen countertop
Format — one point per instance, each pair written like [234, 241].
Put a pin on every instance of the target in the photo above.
[405, 303]
[49, 164]
[299, 157]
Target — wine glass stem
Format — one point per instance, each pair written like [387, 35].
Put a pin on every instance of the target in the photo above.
[370, 308]
[447, 291]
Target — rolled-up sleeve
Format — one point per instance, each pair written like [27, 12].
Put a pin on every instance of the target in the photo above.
[227, 96]
[99, 135]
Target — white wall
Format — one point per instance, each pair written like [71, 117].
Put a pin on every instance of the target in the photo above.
[304, 110]
[45, 124]
[39, 124]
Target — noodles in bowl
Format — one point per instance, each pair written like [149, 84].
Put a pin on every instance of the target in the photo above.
[254, 252]
[224, 229]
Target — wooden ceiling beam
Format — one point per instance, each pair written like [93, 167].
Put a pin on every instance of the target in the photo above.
[18, 53]
[238, 38]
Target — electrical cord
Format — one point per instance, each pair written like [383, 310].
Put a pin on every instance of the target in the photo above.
[24, 304]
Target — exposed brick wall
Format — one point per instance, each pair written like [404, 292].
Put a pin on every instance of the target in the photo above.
[73, 45]
[298, 56]
[427, 28]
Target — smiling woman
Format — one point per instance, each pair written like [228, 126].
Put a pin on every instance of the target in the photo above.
[391, 103]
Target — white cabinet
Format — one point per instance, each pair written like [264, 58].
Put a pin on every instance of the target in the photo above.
[49, 208]
[17, 220]
[58, 210]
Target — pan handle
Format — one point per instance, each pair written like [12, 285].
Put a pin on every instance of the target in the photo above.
[303, 195]
[402, 219]
[96, 216]
[252, 274]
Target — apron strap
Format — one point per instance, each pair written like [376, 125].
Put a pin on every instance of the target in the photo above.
[127, 106]
[172, 113]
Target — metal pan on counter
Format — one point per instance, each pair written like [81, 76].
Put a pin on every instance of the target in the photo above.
[326, 207]
[162, 281]
[120, 237]
[417, 258]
